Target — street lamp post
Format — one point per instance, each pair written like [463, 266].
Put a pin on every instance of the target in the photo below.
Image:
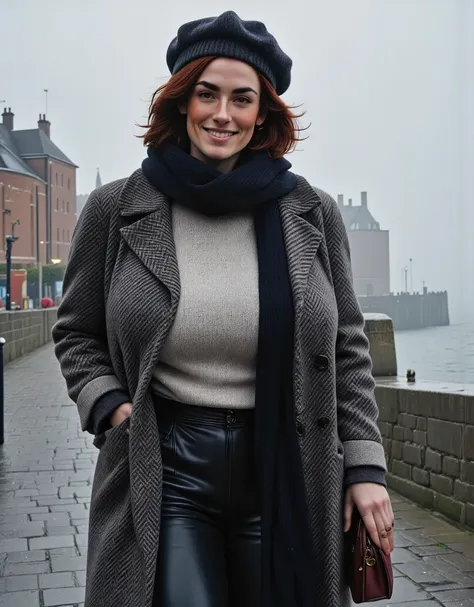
[9, 244]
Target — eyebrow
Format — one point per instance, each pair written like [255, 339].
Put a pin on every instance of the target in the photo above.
[213, 87]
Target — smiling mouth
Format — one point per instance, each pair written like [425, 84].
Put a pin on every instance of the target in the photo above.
[220, 134]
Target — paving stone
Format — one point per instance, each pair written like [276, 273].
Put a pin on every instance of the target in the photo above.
[23, 530]
[26, 568]
[65, 492]
[13, 519]
[46, 489]
[26, 556]
[13, 545]
[52, 500]
[417, 538]
[422, 573]
[434, 550]
[403, 555]
[26, 492]
[81, 539]
[83, 500]
[53, 518]
[65, 552]
[82, 529]
[22, 582]
[25, 510]
[459, 561]
[80, 578]
[414, 604]
[54, 541]
[62, 596]
[404, 590]
[20, 599]
[56, 580]
[459, 594]
[6, 504]
[76, 511]
[73, 563]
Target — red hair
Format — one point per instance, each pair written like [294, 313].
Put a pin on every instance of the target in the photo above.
[278, 135]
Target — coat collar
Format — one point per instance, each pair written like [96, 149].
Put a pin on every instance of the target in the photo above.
[149, 231]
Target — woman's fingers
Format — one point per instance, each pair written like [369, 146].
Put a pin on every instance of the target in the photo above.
[384, 530]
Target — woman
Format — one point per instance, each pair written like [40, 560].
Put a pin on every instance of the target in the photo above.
[211, 338]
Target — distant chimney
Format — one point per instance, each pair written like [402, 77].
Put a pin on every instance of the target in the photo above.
[350, 202]
[7, 118]
[44, 125]
[363, 199]
[340, 200]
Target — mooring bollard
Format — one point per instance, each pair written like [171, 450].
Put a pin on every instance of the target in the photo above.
[2, 394]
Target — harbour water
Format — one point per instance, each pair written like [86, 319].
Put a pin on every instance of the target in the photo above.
[439, 354]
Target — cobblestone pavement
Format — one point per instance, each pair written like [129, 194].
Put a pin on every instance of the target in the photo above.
[46, 468]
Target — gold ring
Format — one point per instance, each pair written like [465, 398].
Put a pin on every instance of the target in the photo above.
[383, 533]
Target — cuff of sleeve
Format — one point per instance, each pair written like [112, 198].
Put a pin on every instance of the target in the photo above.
[103, 409]
[365, 474]
[364, 453]
[91, 393]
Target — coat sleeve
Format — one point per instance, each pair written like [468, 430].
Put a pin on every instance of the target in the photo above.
[355, 386]
[79, 334]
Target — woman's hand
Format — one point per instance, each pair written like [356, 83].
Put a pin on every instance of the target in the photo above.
[373, 503]
[120, 414]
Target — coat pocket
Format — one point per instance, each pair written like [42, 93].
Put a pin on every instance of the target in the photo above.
[112, 433]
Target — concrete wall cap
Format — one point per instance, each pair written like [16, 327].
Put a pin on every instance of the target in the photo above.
[376, 316]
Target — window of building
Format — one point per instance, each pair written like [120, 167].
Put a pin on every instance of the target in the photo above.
[64, 236]
[62, 179]
[68, 238]
[58, 235]
[67, 206]
[57, 204]
[57, 180]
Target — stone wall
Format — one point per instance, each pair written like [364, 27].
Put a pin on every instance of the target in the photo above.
[25, 330]
[428, 432]
[427, 429]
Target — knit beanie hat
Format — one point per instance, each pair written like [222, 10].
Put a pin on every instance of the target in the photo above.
[230, 36]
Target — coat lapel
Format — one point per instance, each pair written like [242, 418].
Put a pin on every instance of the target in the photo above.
[302, 240]
[149, 233]
[302, 237]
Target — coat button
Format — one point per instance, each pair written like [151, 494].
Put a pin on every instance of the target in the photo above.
[299, 427]
[321, 362]
[323, 422]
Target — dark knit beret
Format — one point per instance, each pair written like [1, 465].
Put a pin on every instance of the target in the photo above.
[230, 36]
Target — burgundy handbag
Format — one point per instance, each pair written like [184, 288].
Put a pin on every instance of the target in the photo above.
[369, 568]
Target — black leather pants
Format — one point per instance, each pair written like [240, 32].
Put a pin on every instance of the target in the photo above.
[210, 526]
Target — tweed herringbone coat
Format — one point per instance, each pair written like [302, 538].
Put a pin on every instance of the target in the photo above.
[121, 292]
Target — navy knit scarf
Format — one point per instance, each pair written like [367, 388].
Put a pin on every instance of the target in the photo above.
[255, 185]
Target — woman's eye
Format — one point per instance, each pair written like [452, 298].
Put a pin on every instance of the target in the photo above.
[242, 100]
[205, 95]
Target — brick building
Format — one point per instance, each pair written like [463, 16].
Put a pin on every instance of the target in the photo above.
[38, 187]
[369, 248]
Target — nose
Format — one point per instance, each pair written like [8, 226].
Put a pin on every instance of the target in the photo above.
[221, 114]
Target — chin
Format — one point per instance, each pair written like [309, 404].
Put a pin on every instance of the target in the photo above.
[218, 155]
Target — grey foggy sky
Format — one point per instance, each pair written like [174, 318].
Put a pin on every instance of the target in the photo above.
[387, 86]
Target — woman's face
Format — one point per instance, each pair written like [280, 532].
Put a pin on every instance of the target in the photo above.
[222, 112]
